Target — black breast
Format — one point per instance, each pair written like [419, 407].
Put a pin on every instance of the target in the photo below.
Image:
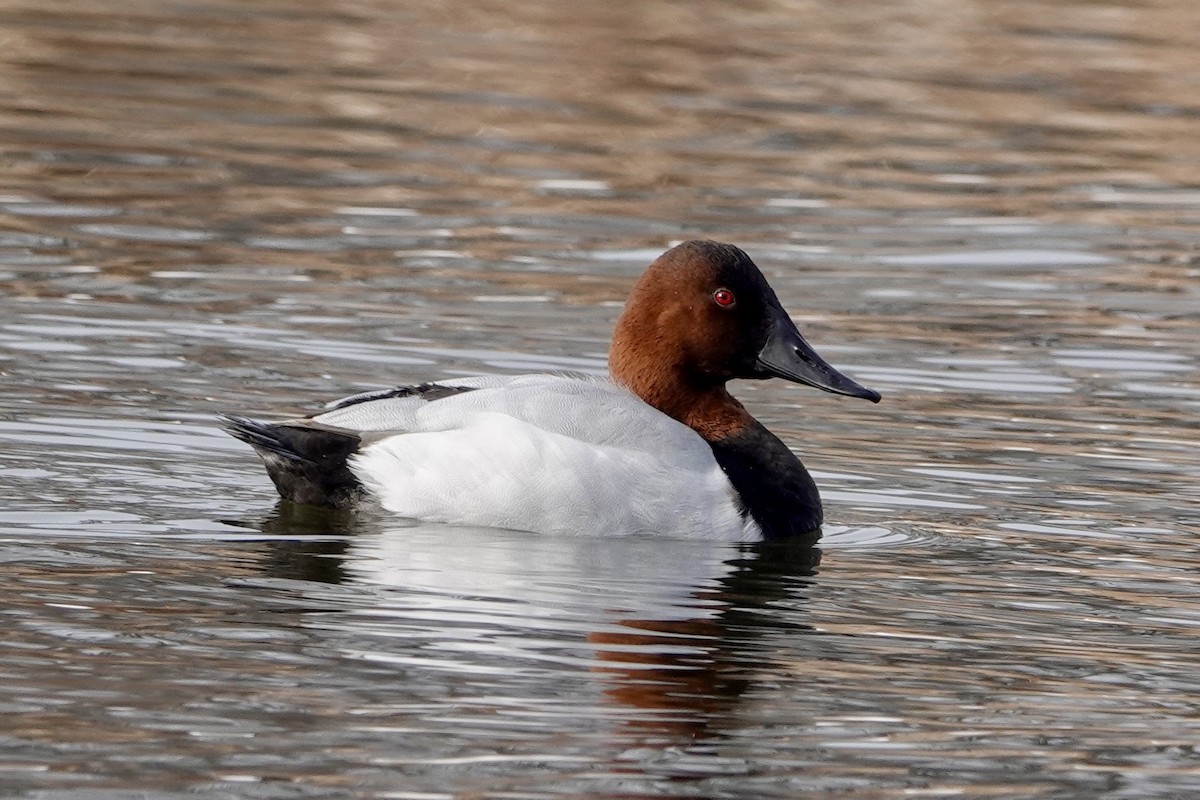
[775, 488]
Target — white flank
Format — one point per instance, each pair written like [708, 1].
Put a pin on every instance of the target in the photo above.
[541, 453]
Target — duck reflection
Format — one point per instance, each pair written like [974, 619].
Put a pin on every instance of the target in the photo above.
[316, 544]
[673, 629]
[682, 676]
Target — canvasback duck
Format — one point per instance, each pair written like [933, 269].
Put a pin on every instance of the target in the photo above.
[659, 447]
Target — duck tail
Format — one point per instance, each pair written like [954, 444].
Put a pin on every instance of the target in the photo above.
[306, 463]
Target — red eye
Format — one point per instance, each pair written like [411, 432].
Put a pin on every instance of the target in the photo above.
[723, 297]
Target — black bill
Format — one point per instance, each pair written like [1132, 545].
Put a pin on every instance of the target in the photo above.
[786, 355]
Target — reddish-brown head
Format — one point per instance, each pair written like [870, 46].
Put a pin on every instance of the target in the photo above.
[703, 314]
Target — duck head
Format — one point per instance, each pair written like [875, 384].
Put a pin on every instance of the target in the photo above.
[703, 314]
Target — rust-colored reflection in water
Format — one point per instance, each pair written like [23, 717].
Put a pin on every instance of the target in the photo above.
[986, 210]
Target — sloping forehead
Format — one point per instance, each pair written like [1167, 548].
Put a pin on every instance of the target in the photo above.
[714, 260]
[717, 252]
[723, 265]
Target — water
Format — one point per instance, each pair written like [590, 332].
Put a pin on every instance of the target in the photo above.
[987, 211]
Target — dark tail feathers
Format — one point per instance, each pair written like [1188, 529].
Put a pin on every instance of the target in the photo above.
[306, 463]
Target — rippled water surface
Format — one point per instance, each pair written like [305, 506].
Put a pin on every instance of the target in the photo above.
[989, 211]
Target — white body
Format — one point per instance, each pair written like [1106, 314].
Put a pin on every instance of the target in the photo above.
[543, 453]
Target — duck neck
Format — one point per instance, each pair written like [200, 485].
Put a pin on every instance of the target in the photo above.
[772, 485]
[706, 408]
